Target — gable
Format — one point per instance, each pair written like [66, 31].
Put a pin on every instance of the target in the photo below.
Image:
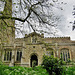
[34, 34]
[33, 38]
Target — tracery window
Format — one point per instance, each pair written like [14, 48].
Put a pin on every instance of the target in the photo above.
[49, 52]
[7, 55]
[19, 55]
[65, 55]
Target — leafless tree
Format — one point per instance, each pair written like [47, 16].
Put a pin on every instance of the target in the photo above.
[38, 14]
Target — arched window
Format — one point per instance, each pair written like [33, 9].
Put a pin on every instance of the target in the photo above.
[49, 52]
[19, 55]
[65, 54]
[7, 55]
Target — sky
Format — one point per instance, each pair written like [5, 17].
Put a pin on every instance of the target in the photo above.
[66, 27]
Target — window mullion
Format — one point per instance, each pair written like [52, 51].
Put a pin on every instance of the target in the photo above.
[6, 55]
[19, 55]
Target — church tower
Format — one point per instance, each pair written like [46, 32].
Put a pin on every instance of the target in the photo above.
[7, 29]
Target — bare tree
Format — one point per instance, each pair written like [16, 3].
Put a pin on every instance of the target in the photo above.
[38, 14]
[74, 17]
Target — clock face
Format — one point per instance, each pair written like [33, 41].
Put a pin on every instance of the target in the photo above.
[2, 6]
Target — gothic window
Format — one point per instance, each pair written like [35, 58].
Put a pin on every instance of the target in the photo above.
[34, 39]
[49, 52]
[19, 55]
[65, 54]
[7, 55]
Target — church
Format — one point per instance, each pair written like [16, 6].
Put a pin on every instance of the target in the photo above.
[25, 51]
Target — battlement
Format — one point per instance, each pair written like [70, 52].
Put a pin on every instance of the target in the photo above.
[57, 37]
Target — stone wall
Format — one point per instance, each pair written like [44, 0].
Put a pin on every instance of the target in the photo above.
[38, 48]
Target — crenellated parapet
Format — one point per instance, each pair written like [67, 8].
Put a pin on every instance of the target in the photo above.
[57, 39]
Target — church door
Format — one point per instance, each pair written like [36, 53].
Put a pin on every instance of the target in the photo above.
[33, 61]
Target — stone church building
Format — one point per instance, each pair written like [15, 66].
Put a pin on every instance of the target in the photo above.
[25, 51]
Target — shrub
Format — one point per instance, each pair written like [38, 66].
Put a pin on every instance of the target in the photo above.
[18, 70]
[52, 65]
[69, 70]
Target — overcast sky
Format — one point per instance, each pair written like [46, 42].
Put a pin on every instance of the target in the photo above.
[66, 28]
[68, 9]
